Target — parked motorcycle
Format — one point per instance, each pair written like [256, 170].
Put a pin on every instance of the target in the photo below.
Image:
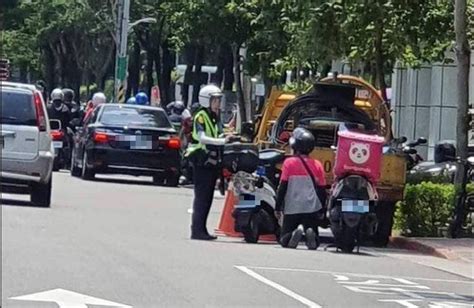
[353, 197]
[465, 200]
[254, 212]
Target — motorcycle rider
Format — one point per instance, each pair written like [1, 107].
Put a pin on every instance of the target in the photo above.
[58, 110]
[74, 107]
[203, 152]
[176, 110]
[142, 99]
[132, 100]
[98, 98]
[301, 195]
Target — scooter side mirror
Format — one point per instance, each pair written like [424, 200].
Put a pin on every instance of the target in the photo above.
[55, 124]
[422, 140]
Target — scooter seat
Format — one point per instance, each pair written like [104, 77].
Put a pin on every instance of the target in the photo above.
[271, 157]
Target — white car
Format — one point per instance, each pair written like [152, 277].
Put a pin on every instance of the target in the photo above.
[26, 147]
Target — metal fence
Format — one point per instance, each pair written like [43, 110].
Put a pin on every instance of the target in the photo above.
[425, 103]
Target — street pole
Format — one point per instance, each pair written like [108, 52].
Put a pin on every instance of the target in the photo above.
[123, 14]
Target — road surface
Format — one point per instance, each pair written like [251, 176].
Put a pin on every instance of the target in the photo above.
[125, 243]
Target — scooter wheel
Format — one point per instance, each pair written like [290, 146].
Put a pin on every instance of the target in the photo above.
[251, 232]
[348, 239]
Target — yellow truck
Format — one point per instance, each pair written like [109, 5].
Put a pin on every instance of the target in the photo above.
[366, 108]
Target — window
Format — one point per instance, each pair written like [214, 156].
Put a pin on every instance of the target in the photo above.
[17, 108]
[137, 117]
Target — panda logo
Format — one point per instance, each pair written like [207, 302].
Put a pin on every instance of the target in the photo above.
[359, 153]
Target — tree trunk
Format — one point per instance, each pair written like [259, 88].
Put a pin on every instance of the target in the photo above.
[218, 77]
[463, 54]
[168, 65]
[379, 57]
[134, 70]
[101, 72]
[197, 82]
[190, 56]
[238, 84]
[48, 67]
[149, 70]
[158, 70]
[229, 69]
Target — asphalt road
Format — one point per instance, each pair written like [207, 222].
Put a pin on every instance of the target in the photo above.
[126, 241]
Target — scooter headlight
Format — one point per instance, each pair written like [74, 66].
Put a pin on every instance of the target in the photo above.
[244, 183]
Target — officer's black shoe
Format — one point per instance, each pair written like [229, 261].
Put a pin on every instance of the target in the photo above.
[312, 240]
[203, 237]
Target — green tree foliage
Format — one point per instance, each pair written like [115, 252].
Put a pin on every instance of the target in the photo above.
[72, 42]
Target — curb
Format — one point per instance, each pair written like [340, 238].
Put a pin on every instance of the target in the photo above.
[411, 244]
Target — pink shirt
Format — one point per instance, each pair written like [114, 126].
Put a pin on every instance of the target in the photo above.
[301, 195]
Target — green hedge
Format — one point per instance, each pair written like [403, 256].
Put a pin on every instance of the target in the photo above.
[427, 209]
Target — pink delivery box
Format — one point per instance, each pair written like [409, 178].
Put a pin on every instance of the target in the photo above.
[360, 154]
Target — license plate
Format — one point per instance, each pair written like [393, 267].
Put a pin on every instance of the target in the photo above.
[141, 145]
[247, 201]
[57, 144]
[355, 206]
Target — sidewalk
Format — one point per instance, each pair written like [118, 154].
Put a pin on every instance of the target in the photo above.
[451, 255]
[461, 250]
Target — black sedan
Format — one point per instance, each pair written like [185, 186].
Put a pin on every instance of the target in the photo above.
[127, 139]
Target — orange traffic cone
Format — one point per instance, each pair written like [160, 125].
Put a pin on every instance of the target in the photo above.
[226, 223]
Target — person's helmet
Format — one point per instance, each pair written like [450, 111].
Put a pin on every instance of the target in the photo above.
[57, 95]
[178, 107]
[132, 100]
[98, 99]
[206, 93]
[302, 141]
[68, 95]
[142, 99]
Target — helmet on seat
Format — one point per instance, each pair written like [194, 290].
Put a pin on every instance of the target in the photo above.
[302, 141]
[208, 92]
[142, 99]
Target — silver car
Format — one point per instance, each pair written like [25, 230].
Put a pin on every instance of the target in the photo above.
[26, 148]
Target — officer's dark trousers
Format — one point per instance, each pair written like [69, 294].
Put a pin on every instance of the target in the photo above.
[204, 184]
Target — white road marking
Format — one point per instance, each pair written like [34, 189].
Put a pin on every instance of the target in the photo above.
[278, 287]
[68, 299]
[404, 281]
[408, 303]
[357, 274]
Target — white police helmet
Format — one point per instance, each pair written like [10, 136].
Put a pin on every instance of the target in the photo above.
[207, 92]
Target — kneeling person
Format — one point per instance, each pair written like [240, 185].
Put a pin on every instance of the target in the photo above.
[301, 195]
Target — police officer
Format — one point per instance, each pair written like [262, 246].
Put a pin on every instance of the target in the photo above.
[203, 152]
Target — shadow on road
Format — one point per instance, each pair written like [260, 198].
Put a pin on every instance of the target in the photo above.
[12, 202]
[124, 181]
